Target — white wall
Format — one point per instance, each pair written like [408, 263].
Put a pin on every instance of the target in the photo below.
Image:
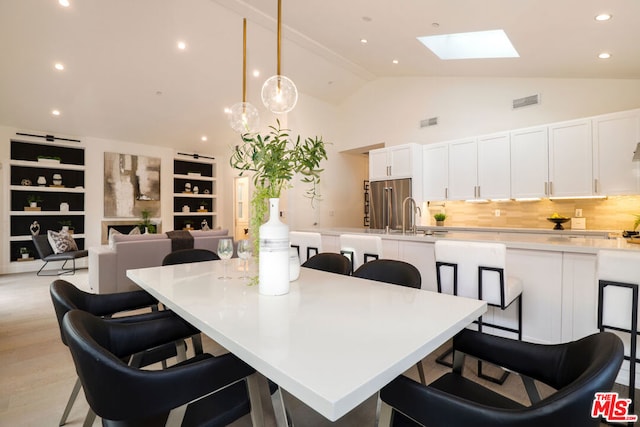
[389, 109]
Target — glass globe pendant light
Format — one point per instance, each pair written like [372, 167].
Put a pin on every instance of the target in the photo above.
[279, 93]
[244, 117]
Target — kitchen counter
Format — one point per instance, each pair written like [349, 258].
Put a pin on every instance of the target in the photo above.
[575, 241]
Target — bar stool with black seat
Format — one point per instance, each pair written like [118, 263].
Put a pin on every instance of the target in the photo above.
[204, 390]
[397, 273]
[618, 281]
[329, 261]
[478, 270]
[307, 243]
[66, 297]
[360, 249]
[576, 371]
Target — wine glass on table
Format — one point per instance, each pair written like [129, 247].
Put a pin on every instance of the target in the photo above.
[245, 251]
[225, 251]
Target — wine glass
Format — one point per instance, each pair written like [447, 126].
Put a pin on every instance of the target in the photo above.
[245, 250]
[225, 251]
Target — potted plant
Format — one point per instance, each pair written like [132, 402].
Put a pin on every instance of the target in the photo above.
[24, 252]
[146, 225]
[67, 226]
[203, 206]
[33, 200]
[274, 159]
[188, 224]
[440, 217]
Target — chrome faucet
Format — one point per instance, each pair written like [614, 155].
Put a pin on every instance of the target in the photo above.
[416, 209]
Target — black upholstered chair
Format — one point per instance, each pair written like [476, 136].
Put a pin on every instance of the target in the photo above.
[65, 297]
[390, 271]
[46, 254]
[329, 261]
[397, 273]
[577, 370]
[204, 390]
[184, 256]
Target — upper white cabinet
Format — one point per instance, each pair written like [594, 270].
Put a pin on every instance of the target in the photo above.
[479, 168]
[435, 171]
[615, 137]
[401, 161]
[494, 169]
[463, 169]
[529, 163]
[570, 159]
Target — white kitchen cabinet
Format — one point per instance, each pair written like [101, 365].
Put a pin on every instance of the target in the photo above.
[615, 137]
[401, 161]
[494, 167]
[529, 163]
[479, 168]
[570, 159]
[435, 171]
[463, 169]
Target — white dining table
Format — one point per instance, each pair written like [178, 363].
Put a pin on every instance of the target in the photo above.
[332, 342]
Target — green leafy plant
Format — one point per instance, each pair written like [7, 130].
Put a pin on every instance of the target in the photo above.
[66, 223]
[24, 251]
[146, 223]
[440, 217]
[33, 198]
[636, 223]
[204, 203]
[274, 159]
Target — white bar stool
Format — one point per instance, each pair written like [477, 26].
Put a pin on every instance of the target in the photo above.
[360, 249]
[618, 280]
[306, 242]
[478, 270]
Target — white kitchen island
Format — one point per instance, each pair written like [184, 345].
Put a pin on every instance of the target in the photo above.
[558, 271]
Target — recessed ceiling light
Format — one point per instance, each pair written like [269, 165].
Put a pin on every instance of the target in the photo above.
[64, 3]
[182, 45]
[364, 41]
[227, 110]
[603, 17]
[55, 112]
[203, 138]
[474, 45]
[58, 66]
[604, 55]
[395, 61]
[256, 73]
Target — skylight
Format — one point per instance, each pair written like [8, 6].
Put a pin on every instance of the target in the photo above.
[474, 45]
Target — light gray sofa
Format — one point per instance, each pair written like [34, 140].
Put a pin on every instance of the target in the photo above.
[108, 264]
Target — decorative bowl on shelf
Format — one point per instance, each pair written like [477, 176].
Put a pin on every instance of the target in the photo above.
[558, 222]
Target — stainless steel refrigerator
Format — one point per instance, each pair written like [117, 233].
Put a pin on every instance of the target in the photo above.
[386, 199]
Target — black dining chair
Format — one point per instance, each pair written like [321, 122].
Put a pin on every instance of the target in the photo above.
[203, 390]
[576, 370]
[397, 273]
[329, 261]
[184, 256]
[66, 297]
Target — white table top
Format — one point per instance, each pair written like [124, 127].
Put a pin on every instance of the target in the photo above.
[332, 342]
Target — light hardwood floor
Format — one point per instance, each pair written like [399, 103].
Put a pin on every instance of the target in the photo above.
[37, 372]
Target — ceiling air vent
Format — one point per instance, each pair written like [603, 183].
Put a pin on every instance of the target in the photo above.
[428, 122]
[526, 101]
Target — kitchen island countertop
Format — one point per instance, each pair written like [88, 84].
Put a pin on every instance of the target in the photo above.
[577, 241]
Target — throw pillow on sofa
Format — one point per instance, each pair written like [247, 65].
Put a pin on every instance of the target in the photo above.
[113, 232]
[61, 242]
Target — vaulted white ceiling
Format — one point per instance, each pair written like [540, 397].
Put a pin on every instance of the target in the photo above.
[125, 78]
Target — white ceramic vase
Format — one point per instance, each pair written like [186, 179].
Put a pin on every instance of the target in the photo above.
[273, 267]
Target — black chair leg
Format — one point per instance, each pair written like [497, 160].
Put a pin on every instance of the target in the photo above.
[442, 358]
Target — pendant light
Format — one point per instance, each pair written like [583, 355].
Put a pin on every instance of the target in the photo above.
[279, 93]
[244, 117]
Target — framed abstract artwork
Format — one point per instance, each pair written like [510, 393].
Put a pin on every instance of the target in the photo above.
[131, 185]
